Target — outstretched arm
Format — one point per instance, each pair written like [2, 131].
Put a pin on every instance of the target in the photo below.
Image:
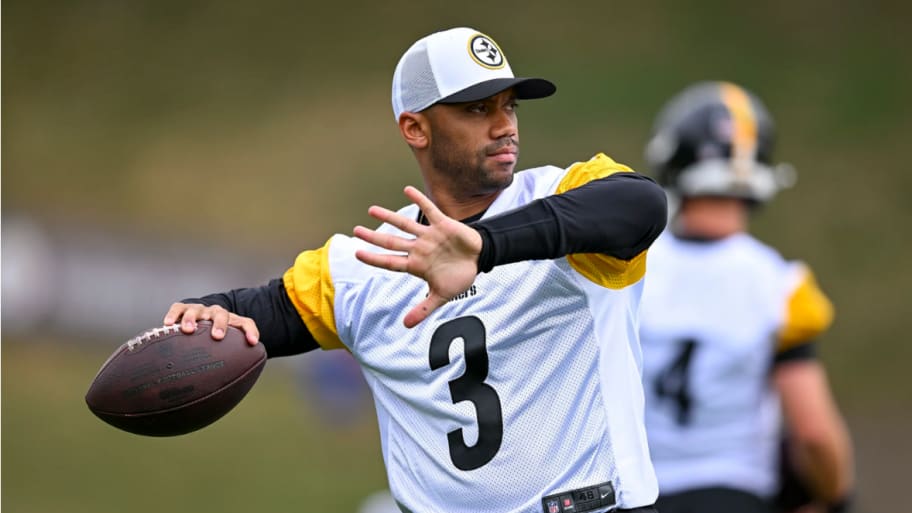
[619, 215]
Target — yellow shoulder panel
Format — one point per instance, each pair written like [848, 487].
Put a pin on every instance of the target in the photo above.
[603, 270]
[310, 287]
[597, 167]
[609, 271]
[809, 313]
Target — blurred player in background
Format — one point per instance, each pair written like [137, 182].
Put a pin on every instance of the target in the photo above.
[728, 326]
[513, 386]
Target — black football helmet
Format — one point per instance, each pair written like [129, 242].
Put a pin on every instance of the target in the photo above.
[716, 139]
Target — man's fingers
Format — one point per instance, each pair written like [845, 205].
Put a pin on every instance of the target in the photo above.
[384, 261]
[423, 310]
[399, 221]
[189, 314]
[384, 240]
[222, 319]
[246, 325]
[174, 313]
[219, 317]
[431, 212]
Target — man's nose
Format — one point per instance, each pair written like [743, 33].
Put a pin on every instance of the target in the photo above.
[504, 124]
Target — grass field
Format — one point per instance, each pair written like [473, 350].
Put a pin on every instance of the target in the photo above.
[270, 454]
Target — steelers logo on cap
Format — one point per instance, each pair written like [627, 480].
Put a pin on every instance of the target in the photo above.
[485, 51]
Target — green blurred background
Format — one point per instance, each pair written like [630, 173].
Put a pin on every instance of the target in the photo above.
[260, 128]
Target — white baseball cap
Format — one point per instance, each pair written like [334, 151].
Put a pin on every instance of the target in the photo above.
[454, 66]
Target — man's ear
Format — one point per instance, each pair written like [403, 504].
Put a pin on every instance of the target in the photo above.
[415, 129]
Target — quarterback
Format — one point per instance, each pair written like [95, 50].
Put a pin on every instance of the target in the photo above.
[494, 318]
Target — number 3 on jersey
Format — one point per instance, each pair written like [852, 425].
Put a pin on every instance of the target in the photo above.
[470, 387]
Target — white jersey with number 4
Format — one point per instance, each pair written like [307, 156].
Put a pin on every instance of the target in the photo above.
[525, 386]
[714, 315]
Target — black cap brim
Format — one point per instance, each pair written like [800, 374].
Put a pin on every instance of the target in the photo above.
[526, 89]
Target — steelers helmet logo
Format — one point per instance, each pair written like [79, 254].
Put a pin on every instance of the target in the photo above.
[485, 51]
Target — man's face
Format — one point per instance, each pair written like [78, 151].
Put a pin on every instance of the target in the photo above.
[476, 144]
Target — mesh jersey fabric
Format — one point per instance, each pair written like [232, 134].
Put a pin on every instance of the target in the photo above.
[558, 353]
[710, 320]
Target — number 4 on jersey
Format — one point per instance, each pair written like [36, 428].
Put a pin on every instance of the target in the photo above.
[673, 383]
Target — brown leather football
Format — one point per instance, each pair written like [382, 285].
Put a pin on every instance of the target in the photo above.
[164, 382]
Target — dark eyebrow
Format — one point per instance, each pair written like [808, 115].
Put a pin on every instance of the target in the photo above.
[510, 98]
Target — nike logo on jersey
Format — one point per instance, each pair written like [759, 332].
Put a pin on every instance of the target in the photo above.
[580, 500]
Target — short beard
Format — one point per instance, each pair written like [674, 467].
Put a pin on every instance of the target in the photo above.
[469, 175]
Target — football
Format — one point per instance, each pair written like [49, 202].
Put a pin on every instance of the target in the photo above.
[164, 382]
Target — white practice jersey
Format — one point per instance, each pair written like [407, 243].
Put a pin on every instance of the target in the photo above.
[714, 315]
[525, 386]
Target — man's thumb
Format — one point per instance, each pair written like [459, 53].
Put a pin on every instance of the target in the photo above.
[423, 309]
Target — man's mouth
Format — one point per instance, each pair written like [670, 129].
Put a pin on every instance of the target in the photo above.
[505, 154]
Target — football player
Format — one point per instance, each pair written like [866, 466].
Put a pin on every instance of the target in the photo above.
[494, 318]
[728, 326]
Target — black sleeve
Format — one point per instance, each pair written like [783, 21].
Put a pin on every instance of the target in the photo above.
[619, 215]
[806, 351]
[282, 331]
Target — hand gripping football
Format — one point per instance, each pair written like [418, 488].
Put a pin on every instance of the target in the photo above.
[164, 382]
